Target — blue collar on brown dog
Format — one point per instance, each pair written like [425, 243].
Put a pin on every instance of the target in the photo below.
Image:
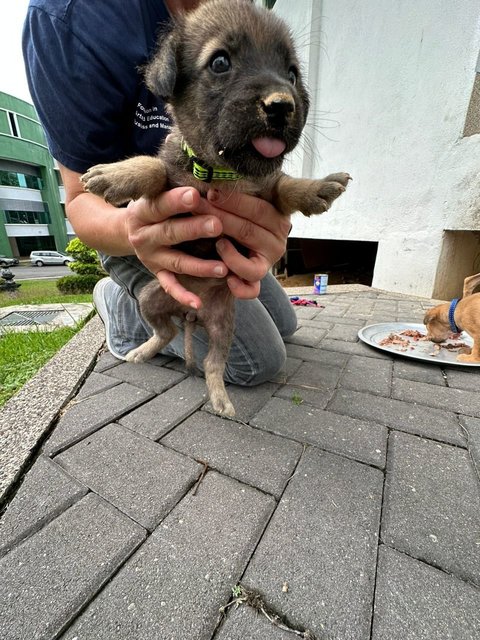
[451, 316]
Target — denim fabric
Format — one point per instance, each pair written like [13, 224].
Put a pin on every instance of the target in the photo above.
[258, 351]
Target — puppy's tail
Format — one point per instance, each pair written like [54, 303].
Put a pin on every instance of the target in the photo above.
[189, 330]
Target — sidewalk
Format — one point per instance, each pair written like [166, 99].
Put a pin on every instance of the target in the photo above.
[345, 494]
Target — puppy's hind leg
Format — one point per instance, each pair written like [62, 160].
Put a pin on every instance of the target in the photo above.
[218, 322]
[189, 330]
[214, 365]
[164, 332]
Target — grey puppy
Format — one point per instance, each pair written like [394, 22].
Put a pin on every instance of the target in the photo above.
[230, 76]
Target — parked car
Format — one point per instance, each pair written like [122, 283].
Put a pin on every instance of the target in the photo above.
[41, 258]
[8, 262]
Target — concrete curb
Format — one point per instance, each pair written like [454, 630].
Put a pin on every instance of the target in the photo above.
[28, 416]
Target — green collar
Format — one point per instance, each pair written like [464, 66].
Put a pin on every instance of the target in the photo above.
[205, 172]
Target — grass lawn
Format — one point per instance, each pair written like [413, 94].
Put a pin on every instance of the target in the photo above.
[39, 292]
[22, 354]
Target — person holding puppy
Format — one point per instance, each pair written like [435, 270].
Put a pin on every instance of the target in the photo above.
[84, 63]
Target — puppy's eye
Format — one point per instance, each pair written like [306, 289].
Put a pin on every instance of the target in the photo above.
[220, 62]
[292, 75]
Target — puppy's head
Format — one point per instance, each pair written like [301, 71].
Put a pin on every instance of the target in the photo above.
[438, 329]
[230, 74]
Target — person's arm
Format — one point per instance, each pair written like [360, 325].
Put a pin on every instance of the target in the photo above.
[97, 223]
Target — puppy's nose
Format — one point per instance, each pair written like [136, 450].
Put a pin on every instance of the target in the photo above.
[278, 107]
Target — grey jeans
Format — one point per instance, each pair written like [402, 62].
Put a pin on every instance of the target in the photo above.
[257, 352]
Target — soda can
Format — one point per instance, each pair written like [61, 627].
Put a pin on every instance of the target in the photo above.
[320, 282]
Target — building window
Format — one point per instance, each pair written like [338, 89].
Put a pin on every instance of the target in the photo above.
[13, 179]
[33, 182]
[9, 179]
[27, 217]
[13, 124]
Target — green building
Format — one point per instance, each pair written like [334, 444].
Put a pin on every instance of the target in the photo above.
[32, 212]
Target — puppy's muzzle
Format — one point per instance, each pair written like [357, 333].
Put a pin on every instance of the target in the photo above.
[278, 107]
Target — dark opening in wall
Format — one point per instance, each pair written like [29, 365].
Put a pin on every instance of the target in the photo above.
[26, 244]
[472, 121]
[13, 124]
[345, 261]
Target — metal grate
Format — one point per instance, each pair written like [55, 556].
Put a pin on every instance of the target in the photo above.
[28, 318]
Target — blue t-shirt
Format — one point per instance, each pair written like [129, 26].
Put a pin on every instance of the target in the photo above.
[82, 59]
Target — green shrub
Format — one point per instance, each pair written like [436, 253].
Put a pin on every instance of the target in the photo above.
[83, 269]
[81, 253]
[87, 268]
[78, 283]
[86, 259]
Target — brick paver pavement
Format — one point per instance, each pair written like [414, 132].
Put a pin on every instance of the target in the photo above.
[345, 495]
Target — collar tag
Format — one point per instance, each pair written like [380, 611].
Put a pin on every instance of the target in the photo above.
[203, 172]
[206, 173]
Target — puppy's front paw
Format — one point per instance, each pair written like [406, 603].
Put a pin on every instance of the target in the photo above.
[113, 182]
[320, 194]
[342, 178]
[127, 180]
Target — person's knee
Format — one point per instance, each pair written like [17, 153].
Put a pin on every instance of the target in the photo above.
[265, 366]
[289, 324]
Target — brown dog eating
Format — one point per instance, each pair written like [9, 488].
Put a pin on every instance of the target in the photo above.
[230, 76]
[454, 317]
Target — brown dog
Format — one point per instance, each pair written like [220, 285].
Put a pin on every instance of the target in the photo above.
[456, 316]
[230, 76]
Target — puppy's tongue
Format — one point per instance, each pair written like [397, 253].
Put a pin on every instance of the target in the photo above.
[269, 147]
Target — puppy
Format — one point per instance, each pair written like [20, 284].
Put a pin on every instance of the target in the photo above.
[453, 317]
[230, 77]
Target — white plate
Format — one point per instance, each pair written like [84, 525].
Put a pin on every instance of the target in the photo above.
[421, 350]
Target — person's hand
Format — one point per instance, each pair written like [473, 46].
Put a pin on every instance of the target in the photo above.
[152, 230]
[255, 224]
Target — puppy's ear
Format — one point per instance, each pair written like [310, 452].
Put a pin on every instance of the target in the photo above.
[161, 72]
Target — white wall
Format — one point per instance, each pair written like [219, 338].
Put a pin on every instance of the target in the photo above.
[26, 230]
[394, 81]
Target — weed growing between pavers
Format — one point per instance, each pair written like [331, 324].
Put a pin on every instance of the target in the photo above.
[250, 598]
[297, 398]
